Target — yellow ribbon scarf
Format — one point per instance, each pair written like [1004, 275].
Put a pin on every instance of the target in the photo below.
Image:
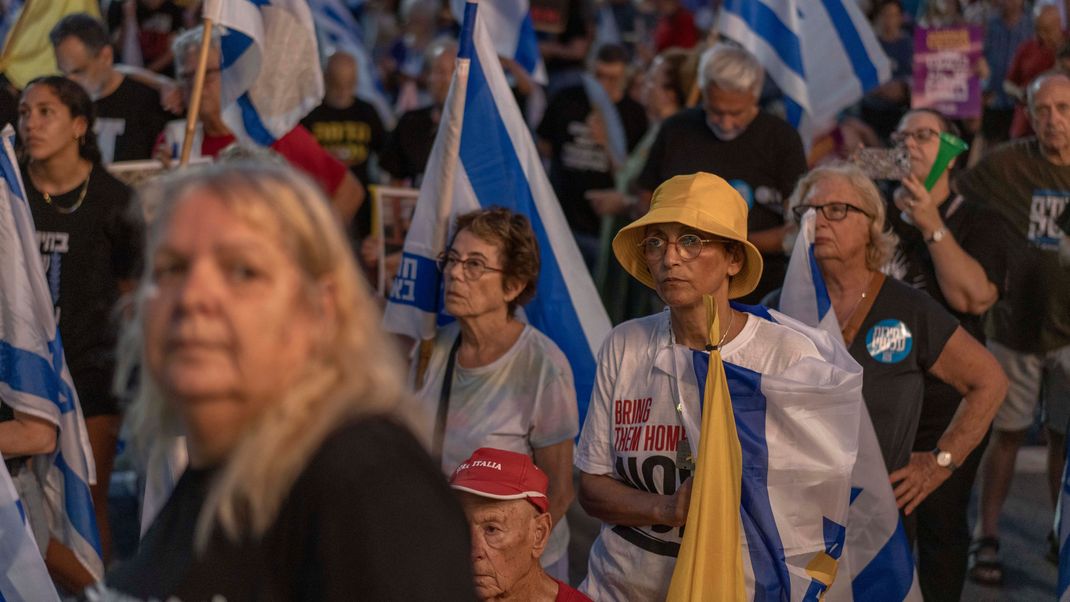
[710, 564]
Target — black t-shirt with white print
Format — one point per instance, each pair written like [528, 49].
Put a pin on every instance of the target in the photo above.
[580, 163]
[86, 253]
[983, 235]
[899, 341]
[129, 121]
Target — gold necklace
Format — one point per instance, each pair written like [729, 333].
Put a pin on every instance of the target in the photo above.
[724, 335]
[76, 205]
[865, 290]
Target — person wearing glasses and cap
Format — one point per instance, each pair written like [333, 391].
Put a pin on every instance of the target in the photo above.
[504, 498]
[492, 380]
[636, 451]
[898, 334]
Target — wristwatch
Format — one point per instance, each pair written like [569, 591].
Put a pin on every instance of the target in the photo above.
[937, 235]
[943, 459]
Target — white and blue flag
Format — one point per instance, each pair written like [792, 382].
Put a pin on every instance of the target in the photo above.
[261, 105]
[511, 32]
[1062, 530]
[339, 30]
[877, 554]
[484, 156]
[33, 372]
[23, 576]
[822, 54]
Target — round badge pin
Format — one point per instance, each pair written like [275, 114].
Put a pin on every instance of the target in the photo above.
[889, 341]
[744, 189]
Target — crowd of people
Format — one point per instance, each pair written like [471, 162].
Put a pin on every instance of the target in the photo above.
[230, 304]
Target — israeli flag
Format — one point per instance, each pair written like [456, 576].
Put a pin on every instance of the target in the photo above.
[340, 30]
[794, 507]
[33, 373]
[1062, 527]
[262, 105]
[877, 555]
[804, 295]
[822, 54]
[23, 576]
[511, 32]
[483, 155]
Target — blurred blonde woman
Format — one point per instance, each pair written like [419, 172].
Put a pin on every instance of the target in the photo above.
[257, 342]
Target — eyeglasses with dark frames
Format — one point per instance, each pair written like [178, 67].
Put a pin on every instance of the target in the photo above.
[833, 212]
[920, 135]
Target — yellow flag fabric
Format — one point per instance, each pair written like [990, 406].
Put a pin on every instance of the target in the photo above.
[710, 563]
[28, 52]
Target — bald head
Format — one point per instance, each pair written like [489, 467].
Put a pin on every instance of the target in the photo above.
[1049, 112]
[1048, 25]
[340, 79]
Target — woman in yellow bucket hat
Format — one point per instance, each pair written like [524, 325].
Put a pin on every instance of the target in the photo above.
[635, 451]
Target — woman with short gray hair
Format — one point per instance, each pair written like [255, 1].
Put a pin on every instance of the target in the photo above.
[898, 334]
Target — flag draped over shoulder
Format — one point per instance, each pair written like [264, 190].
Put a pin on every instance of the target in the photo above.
[33, 372]
[511, 32]
[340, 30]
[1062, 528]
[877, 558]
[260, 105]
[822, 54]
[28, 52]
[483, 156]
[710, 564]
[23, 576]
[795, 432]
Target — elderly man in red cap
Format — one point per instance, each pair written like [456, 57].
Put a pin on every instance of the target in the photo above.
[504, 497]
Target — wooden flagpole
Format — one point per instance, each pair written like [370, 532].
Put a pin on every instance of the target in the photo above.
[195, 95]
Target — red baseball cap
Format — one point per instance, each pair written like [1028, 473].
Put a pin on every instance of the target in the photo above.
[502, 475]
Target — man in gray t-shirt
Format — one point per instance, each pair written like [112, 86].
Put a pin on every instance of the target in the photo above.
[1028, 182]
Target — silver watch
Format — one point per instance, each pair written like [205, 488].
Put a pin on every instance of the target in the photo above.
[937, 235]
[943, 459]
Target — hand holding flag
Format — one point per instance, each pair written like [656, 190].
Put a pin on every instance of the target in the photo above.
[33, 372]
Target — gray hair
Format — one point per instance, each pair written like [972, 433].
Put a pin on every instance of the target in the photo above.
[437, 48]
[190, 41]
[1038, 82]
[730, 68]
[1043, 6]
[882, 241]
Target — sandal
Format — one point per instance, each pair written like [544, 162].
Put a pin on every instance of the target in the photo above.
[985, 566]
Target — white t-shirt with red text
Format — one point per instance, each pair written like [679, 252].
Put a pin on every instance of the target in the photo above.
[632, 432]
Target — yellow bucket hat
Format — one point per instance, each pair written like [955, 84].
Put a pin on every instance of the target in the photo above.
[702, 201]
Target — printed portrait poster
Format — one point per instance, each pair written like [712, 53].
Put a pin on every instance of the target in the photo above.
[392, 210]
[945, 70]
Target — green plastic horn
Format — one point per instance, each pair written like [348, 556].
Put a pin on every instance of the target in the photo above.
[951, 146]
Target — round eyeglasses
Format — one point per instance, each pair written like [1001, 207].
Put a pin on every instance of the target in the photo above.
[473, 268]
[688, 246]
[833, 212]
